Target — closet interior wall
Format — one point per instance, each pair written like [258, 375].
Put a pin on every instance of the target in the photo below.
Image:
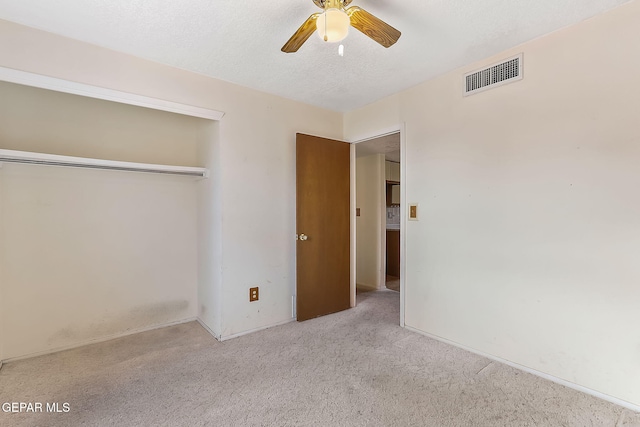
[87, 255]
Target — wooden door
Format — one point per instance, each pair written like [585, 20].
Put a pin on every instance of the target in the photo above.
[323, 226]
[393, 253]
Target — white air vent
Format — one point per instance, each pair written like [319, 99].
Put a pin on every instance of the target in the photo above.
[493, 76]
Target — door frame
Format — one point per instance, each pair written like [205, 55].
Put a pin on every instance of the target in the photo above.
[401, 128]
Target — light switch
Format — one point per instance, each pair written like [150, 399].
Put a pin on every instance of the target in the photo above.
[357, 211]
[413, 212]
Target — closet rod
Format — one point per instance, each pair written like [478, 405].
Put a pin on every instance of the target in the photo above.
[201, 174]
[24, 157]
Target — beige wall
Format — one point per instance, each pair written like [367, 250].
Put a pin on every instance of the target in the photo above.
[370, 224]
[2, 262]
[91, 254]
[381, 118]
[526, 245]
[45, 121]
[255, 175]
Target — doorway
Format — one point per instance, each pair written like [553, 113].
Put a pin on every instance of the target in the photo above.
[378, 213]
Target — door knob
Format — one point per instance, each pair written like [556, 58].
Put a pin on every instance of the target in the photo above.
[303, 236]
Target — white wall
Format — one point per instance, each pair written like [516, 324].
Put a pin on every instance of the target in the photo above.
[528, 233]
[256, 181]
[257, 152]
[370, 192]
[209, 231]
[2, 303]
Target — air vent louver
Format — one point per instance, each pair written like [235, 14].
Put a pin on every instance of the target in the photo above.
[493, 76]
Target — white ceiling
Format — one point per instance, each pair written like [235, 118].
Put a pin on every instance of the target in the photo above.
[240, 41]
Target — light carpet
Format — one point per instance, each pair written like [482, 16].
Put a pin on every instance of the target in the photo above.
[354, 368]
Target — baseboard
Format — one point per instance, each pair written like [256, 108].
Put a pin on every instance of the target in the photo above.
[366, 287]
[208, 329]
[532, 371]
[250, 331]
[99, 340]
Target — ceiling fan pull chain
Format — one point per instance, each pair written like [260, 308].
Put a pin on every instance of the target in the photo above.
[325, 25]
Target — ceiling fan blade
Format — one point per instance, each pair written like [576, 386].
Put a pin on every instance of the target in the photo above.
[301, 35]
[373, 27]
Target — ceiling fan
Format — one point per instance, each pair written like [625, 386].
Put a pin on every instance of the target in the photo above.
[333, 25]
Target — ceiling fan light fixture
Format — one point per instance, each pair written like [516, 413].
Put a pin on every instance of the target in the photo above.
[333, 25]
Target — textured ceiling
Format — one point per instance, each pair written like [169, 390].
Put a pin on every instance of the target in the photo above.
[240, 41]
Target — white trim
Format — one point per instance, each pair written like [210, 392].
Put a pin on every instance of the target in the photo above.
[69, 161]
[375, 135]
[352, 224]
[382, 226]
[403, 220]
[99, 340]
[532, 371]
[250, 331]
[293, 306]
[60, 85]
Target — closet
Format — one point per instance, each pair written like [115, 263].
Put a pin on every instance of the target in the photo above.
[99, 218]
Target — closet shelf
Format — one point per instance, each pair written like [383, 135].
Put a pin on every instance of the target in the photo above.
[25, 157]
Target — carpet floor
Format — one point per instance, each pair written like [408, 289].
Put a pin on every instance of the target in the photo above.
[354, 368]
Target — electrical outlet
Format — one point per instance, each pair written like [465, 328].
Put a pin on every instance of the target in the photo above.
[254, 294]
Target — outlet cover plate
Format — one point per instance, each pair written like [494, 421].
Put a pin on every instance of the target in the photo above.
[413, 211]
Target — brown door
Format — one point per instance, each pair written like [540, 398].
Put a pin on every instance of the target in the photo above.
[322, 221]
